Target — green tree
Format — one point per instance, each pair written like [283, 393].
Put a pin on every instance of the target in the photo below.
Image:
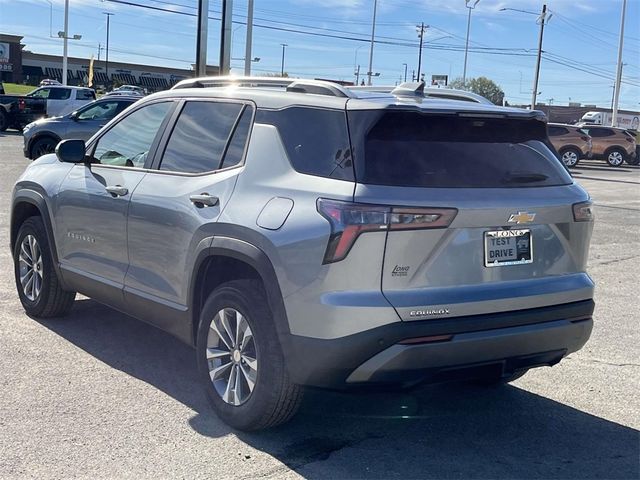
[481, 86]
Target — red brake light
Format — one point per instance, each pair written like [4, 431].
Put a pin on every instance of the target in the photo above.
[348, 220]
[21, 104]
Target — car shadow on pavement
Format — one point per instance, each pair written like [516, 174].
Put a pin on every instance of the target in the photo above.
[441, 431]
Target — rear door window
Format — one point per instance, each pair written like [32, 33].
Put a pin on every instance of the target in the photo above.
[412, 149]
[60, 94]
[557, 131]
[600, 132]
[201, 135]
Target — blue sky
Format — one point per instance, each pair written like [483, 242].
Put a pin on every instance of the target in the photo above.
[581, 33]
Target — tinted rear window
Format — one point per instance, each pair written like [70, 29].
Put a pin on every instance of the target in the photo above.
[316, 140]
[411, 149]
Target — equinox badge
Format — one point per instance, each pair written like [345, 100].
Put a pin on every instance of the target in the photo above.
[521, 217]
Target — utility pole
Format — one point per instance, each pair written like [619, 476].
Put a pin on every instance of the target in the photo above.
[466, 46]
[66, 38]
[249, 40]
[373, 35]
[225, 36]
[405, 71]
[99, 50]
[106, 63]
[201, 38]
[614, 116]
[284, 45]
[357, 74]
[420, 29]
[542, 19]
[413, 75]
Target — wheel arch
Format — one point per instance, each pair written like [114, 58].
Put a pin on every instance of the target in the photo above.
[28, 203]
[229, 259]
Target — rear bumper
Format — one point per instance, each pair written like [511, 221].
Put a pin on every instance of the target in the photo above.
[480, 346]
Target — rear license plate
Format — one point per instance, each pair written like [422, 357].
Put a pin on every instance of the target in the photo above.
[507, 247]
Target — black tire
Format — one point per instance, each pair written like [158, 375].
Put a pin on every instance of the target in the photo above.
[52, 300]
[496, 382]
[42, 146]
[274, 398]
[570, 156]
[615, 157]
[4, 120]
[633, 160]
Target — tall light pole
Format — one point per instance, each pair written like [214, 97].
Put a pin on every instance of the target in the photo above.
[66, 38]
[420, 29]
[225, 37]
[466, 45]
[201, 38]
[405, 71]
[249, 40]
[614, 116]
[106, 62]
[284, 45]
[373, 36]
[543, 19]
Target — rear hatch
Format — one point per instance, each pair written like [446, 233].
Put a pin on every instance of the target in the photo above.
[482, 213]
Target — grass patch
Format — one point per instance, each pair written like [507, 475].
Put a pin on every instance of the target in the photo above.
[17, 89]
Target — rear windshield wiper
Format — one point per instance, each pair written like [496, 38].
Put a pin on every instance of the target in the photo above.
[524, 177]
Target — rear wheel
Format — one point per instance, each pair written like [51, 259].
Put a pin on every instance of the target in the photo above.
[38, 285]
[240, 360]
[633, 160]
[615, 157]
[42, 146]
[570, 156]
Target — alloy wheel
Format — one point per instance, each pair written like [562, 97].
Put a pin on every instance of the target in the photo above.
[570, 158]
[232, 356]
[30, 264]
[615, 158]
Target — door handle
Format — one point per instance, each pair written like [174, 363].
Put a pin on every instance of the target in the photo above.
[203, 200]
[117, 190]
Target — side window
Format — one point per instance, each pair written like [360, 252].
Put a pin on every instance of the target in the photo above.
[99, 111]
[60, 94]
[555, 131]
[200, 136]
[128, 142]
[40, 93]
[85, 94]
[236, 147]
[600, 132]
[316, 140]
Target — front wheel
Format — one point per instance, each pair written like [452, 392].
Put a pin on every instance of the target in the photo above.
[43, 146]
[240, 360]
[615, 157]
[38, 285]
[4, 120]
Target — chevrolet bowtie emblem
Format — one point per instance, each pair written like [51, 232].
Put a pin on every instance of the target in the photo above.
[521, 217]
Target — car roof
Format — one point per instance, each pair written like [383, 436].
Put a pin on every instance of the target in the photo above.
[278, 93]
[67, 86]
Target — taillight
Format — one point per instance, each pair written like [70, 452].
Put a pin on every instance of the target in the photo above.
[21, 104]
[349, 220]
[583, 212]
[631, 140]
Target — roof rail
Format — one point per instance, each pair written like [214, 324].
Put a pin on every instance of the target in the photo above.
[318, 87]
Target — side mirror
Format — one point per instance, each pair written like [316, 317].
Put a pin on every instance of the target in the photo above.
[74, 116]
[71, 151]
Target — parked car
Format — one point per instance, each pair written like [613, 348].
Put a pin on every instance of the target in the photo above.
[128, 90]
[42, 136]
[614, 145]
[51, 101]
[299, 233]
[572, 143]
[48, 82]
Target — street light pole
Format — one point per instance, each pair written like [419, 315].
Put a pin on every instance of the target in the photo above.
[405, 71]
[466, 46]
[65, 41]
[106, 63]
[373, 35]
[614, 116]
[284, 45]
[542, 20]
[249, 40]
[201, 38]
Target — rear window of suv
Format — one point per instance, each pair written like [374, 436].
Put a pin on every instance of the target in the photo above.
[411, 149]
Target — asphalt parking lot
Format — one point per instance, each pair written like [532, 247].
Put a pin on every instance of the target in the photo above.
[101, 395]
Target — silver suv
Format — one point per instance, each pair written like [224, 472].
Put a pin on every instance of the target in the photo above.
[299, 233]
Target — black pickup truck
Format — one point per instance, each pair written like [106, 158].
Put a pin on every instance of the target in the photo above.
[18, 110]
